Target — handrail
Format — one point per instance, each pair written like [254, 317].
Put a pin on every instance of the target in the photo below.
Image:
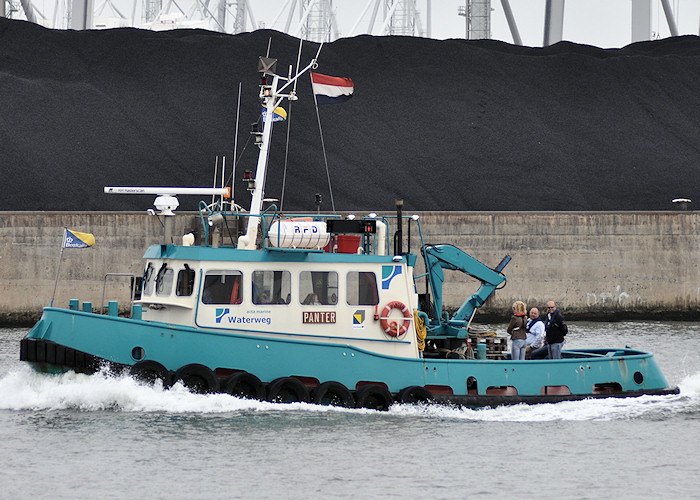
[205, 226]
[385, 220]
[280, 216]
[422, 245]
[584, 354]
[104, 288]
[263, 216]
[269, 218]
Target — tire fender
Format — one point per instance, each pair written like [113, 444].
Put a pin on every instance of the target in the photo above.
[287, 390]
[333, 394]
[374, 397]
[415, 394]
[149, 371]
[197, 378]
[244, 385]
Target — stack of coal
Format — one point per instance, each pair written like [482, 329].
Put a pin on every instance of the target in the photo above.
[443, 125]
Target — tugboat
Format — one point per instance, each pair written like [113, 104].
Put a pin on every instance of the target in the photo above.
[315, 308]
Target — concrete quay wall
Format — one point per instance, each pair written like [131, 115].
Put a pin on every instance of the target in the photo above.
[598, 265]
[593, 264]
[30, 248]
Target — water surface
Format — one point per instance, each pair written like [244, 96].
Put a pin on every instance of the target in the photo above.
[110, 437]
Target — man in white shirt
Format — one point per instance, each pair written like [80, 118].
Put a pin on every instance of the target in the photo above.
[535, 333]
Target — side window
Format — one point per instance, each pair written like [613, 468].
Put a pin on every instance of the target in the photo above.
[222, 287]
[272, 287]
[362, 289]
[164, 281]
[185, 281]
[318, 288]
[149, 280]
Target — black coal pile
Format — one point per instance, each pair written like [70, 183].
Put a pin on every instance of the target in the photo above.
[444, 125]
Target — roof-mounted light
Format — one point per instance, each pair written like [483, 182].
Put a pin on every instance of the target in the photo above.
[215, 219]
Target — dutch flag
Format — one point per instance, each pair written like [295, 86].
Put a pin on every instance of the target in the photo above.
[330, 89]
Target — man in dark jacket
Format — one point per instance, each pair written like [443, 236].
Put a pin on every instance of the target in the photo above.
[555, 330]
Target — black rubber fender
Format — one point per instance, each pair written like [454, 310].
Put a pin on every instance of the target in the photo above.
[287, 390]
[374, 397]
[149, 371]
[244, 385]
[333, 393]
[197, 378]
[50, 353]
[23, 349]
[415, 394]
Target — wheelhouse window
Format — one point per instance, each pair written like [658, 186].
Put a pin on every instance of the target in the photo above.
[222, 287]
[164, 281]
[185, 281]
[272, 287]
[318, 288]
[361, 289]
[149, 280]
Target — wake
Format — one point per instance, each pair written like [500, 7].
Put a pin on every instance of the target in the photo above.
[23, 389]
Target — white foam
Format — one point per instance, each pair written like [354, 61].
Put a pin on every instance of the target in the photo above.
[25, 389]
[690, 385]
[586, 410]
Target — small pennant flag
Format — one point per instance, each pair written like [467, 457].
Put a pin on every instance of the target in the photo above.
[331, 89]
[278, 115]
[75, 239]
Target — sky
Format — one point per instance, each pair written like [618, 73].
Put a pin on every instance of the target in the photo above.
[603, 23]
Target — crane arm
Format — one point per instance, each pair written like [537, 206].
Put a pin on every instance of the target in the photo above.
[439, 257]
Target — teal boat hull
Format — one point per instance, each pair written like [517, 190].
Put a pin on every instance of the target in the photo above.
[66, 339]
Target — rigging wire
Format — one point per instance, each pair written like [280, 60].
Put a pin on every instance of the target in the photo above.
[286, 156]
[235, 145]
[323, 146]
[235, 163]
[216, 170]
[289, 128]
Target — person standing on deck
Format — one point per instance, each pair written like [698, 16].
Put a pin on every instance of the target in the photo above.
[535, 332]
[555, 328]
[517, 330]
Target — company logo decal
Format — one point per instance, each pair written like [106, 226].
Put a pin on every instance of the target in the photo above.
[358, 319]
[223, 316]
[388, 273]
[220, 313]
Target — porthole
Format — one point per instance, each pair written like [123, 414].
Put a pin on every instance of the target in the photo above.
[138, 353]
[638, 377]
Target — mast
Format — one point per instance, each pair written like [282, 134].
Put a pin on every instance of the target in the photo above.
[271, 96]
[270, 100]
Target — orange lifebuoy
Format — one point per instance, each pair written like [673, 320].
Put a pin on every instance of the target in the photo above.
[392, 328]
